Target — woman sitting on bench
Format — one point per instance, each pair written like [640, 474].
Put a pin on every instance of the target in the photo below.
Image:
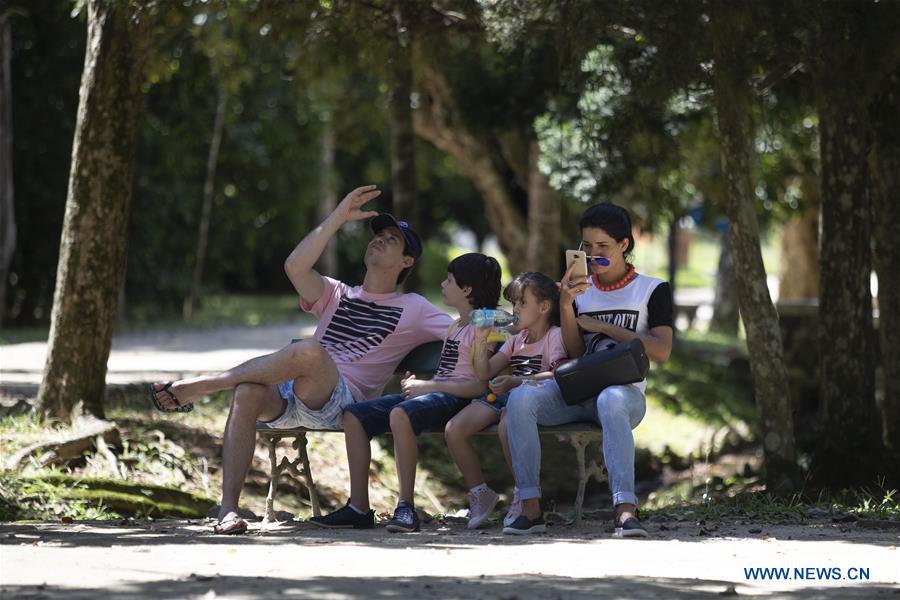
[614, 304]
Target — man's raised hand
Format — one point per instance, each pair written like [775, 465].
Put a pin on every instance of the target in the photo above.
[350, 208]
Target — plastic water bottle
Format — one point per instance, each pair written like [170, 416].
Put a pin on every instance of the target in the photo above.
[487, 317]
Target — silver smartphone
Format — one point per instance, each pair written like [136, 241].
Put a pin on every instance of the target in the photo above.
[580, 259]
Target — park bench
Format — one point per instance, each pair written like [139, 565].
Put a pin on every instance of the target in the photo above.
[422, 361]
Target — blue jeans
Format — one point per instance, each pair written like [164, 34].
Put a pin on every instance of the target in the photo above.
[618, 409]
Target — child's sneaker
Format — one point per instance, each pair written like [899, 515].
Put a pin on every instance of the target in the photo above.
[405, 519]
[631, 527]
[345, 518]
[523, 526]
[481, 505]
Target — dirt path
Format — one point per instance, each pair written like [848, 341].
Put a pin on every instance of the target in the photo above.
[177, 559]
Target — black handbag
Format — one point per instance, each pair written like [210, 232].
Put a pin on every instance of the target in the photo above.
[583, 378]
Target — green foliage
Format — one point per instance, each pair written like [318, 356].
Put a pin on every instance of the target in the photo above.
[48, 54]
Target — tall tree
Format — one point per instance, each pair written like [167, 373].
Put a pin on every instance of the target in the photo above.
[209, 182]
[7, 206]
[401, 19]
[92, 248]
[731, 33]
[799, 278]
[504, 167]
[328, 199]
[726, 305]
[852, 47]
[212, 161]
[886, 188]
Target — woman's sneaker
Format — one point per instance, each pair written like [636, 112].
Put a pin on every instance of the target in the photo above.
[405, 519]
[481, 505]
[523, 526]
[515, 509]
[631, 527]
[345, 518]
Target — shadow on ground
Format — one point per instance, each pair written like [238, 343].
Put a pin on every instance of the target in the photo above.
[108, 534]
[514, 586]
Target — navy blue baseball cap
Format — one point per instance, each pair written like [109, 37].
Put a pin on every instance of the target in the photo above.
[413, 243]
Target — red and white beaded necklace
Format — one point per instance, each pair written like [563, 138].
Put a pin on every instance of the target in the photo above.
[630, 274]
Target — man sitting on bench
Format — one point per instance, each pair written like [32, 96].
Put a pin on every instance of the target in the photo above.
[362, 335]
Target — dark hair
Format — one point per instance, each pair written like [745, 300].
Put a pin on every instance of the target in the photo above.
[541, 286]
[482, 274]
[611, 218]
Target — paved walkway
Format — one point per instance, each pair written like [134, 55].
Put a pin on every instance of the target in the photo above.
[161, 355]
[182, 560]
[172, 354]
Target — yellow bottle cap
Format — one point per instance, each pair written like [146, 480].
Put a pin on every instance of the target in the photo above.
[491, 398]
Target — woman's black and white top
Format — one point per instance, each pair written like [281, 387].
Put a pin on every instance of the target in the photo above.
[645, 303]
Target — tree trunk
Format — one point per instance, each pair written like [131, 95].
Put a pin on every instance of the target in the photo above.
[504, 171]
[328, 263]
[732, 97]
[886, 125]
[544, 217]
[209, 187]
[672, 247]
[799, 279]
[849, 448]
[726, 313]
[403, 154]
[94, 235]
[7, 207]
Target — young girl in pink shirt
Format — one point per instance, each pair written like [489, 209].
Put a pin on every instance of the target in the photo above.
[530, 355]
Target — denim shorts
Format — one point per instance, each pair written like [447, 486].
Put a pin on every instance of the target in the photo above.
[297, 414]
[497, 406]
[429, 412]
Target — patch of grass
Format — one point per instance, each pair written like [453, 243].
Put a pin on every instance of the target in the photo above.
[20, 431]
[696, 406]
[52, 495]
[23, 335]
[25, 499]
[702, 258]
[713, 344]
[154, 473]
[216, 310]
[718, 498]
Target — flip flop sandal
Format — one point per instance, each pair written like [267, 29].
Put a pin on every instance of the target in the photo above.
[233, 526]
[165, 389]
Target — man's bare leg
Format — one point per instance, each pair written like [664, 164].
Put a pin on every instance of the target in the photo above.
[315, 376]
[300, 360]
[252, 402]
